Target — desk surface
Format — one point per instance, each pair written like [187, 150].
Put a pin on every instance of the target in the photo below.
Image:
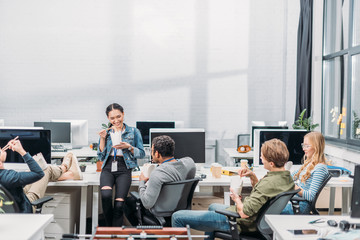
[235, 154]
[281, 223]
[23, 226]
[91, 177]
[79, 153]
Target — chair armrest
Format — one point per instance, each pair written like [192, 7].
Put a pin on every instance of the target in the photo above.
[295, 202]
[228, 213]
[232, 216]
[41, 201]
[135, 195]
[297, 198]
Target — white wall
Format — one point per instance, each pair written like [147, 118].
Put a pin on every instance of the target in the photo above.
[213, 64]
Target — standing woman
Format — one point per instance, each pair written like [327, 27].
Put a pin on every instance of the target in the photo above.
[119, 160]
[312, 173]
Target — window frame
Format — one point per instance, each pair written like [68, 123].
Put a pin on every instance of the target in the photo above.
[350, 51]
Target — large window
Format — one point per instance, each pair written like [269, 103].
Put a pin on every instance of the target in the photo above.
[341, 71]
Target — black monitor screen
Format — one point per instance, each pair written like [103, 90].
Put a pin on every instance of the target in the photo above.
[33, 141]
[292, 139]
[253, 128]
[144, 128]
[187, 144]
[60, 131]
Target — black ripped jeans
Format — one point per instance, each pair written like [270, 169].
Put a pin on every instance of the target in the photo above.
[120, 181]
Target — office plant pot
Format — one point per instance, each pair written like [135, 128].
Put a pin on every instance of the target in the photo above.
[98, 166]
[82, 168]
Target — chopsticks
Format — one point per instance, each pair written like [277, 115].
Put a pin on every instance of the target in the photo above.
[7, 145]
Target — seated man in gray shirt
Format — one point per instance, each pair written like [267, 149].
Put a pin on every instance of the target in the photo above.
[169, 170]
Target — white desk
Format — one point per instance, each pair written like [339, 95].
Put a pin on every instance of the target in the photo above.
[346, 185]
[24, 226]
[79, 153]
[83, 198]
[93, 179]
[233, 153]
[281, 223]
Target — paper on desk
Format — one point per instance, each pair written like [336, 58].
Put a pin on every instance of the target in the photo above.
[338, 234]
[135, 176]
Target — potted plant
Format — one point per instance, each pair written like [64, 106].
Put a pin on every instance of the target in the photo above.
[304, 123]
[83, 167]
[4, 201]
[98, 163]
[94, 146]
[356, 126]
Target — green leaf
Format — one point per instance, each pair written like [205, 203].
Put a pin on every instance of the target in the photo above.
[304, 123]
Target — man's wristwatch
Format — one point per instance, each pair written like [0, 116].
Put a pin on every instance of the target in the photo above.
[130, 148]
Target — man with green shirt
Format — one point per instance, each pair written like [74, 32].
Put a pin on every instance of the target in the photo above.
[274, 155]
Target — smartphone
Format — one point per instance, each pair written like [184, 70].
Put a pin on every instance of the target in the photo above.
[303, 232]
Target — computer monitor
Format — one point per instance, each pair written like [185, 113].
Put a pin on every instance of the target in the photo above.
[19, 127]
[79, 132]
[145, 126]
[60, 131]
[33, 141]
[189, 142]
[292, 139]
[253, 128]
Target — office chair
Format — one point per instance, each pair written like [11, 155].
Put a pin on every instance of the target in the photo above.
[273, 206]
[173, 196]
[9, 205]
[295, 201]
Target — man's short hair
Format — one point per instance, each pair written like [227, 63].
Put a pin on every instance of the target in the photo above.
[165, 145]
[275, 151]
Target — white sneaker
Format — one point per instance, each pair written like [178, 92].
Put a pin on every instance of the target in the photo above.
[39, 158]
[67, 160]
[75, 169]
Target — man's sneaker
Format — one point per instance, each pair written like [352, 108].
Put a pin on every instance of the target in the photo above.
[67, 160]
[75, 169]
[39, 158]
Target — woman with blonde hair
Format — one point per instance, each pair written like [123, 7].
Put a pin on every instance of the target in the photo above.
[312, 173]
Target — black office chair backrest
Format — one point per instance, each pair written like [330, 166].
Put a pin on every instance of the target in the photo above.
[273, 206]
[174, 196]
[313, 203]
[7, 202]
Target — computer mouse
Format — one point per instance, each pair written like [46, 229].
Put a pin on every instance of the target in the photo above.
[332, 223]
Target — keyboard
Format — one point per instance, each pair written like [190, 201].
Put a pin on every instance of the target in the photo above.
[149, 227]
[58, 148]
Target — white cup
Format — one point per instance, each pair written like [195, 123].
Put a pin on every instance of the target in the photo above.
[288, 165]
[236, 183]
[244, 163]
[216, 170]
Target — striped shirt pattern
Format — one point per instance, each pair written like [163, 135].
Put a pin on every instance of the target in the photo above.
[312, 184]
